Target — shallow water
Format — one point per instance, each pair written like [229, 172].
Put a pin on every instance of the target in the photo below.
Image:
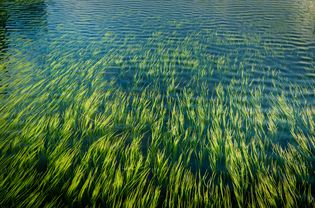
[214, 90]
[257, 35]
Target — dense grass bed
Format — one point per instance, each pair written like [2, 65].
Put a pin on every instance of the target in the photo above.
[98, 132]
[175, 113]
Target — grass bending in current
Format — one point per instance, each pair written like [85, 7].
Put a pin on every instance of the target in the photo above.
[162, 128]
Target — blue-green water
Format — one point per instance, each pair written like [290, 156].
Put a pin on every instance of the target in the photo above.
[205, 103]
[257, 35]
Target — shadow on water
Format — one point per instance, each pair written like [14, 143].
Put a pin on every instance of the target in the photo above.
[3, 20]
[3, 47]
[19, 25]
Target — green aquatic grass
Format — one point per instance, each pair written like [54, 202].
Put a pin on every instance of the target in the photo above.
[137, 127]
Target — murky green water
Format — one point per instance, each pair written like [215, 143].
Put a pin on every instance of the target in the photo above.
[157, 103]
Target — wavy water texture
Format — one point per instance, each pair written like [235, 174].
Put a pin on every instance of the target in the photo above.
[138, 103]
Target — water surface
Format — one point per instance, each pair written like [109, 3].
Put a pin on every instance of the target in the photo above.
[157, 103]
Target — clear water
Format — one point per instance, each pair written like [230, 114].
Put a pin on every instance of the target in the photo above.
[260, 36]
[69, 66]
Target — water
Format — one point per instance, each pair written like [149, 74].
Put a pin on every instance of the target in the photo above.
[258, 35]
[148, 75]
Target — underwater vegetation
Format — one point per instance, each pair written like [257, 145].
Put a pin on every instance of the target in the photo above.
[145, 125]
[166, 104]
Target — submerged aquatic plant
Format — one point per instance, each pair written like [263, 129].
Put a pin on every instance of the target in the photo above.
[153, 126]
